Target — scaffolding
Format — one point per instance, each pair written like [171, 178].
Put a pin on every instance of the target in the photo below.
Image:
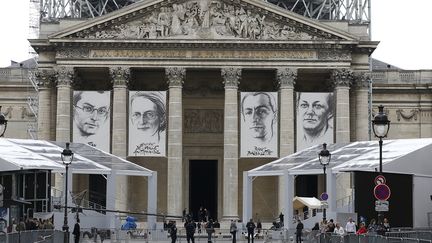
[357, 11]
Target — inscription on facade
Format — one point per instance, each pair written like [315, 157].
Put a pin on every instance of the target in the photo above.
[292, 54]
[203, 121]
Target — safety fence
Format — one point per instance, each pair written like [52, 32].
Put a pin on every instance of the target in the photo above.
[33, 236]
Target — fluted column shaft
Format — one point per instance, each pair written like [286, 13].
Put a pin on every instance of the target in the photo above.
[362, 106]
[231, 78]
[120, 78]
[175, 76]
[64, 91]
[45, 79]
[342, 79]
[286, 78]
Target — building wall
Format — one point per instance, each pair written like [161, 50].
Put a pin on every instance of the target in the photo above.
[422, 200]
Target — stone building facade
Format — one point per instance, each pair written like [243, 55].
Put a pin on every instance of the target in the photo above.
[204, 53]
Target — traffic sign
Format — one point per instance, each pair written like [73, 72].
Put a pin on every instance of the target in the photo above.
[324, 196]
[382, 192]
[380, 180]
[381, 206]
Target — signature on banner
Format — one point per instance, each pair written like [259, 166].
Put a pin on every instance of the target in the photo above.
[147, 149]
[260, 151]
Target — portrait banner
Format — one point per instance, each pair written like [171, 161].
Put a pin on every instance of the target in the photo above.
[259, 124]
[315, 117]
[147, 123]
[91, 118]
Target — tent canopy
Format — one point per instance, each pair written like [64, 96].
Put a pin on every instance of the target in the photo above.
[310, 202]
[27, 154]
[399, 156]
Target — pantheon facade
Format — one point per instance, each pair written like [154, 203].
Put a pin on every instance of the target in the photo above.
[205, 57]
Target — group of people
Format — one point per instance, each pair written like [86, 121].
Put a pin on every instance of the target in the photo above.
[351, 227]
[30, 224]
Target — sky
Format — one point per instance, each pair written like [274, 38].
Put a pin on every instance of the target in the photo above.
[403, 28]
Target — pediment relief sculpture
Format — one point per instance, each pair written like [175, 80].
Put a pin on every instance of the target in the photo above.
[207, 19]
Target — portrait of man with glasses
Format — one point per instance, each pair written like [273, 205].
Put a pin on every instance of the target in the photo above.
[147, 123]
[91, 118]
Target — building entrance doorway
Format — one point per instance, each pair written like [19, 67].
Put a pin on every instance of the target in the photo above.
[203, 187]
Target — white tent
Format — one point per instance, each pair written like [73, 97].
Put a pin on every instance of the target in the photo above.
[27, 154]
[404, 156]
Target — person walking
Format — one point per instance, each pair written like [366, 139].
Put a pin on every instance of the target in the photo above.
[76, 231]
[173, 232]
[210, 230]
[233, 230]
[190, 231]
[250, 226]
[299, 231]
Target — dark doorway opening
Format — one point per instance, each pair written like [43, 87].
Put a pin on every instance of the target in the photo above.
[203, 187]
[97, 189]
[306, 186]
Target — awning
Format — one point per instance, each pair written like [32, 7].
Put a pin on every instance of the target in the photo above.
[310, 202]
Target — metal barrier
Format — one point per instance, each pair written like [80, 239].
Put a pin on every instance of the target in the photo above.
[33, 236]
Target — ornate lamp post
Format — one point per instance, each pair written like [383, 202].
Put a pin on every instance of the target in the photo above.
[324, 158]
[67, 157]
[3, 123]
[381, 126]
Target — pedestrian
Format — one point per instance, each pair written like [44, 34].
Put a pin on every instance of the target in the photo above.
[338, 230]
[233, 230]
[386, 224]
[173, 232]
[259, 226]
[250, 226]
[281, 219]
[210, 230]
[190, 231]
[299, 231]
[184, 215]
[76, 231]
[350, 227]
[362, 230]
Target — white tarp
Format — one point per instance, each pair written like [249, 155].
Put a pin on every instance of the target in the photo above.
[310, 202]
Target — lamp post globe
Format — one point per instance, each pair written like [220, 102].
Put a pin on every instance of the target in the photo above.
[324, 158]
[3, 123]
[67, 157]
[381, 126]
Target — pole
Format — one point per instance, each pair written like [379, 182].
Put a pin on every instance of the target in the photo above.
[325, 187]
[65, 223]
[380, 155]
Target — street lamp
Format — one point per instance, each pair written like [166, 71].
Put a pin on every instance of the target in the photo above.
[381, 126]
[67, 157]
[3, 123]
[324, 158]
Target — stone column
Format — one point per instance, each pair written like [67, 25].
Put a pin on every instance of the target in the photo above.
[175, 76]
[361, 91]
[286, 78]
[45, 81]
[120, 78]
[231, 78]
[341, 79]
[63, 117]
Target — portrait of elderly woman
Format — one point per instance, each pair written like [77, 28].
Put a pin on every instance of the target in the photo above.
[147, 123]
[259, 124]
[91, 118]
[315, 113]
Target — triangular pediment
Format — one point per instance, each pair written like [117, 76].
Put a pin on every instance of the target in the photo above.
[203, 19]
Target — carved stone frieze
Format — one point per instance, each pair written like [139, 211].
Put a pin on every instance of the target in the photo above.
[45, 78]
[8, 112]
[175, 76]
[411, 115]
[342, 77]
[26, 113]
[231, 77]
[361, 80]
[337, 55]
[205, 19]
[64, 75]
[72, 53]
[120, 75]
[203, 121]
[286, 77]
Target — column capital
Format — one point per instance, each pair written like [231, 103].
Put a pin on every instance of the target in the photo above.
[342, 77]
[231, 76]
[64, 75]
[175, 76]
[44, 78]
[361, 79]
[286, 77]
[119, 75]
